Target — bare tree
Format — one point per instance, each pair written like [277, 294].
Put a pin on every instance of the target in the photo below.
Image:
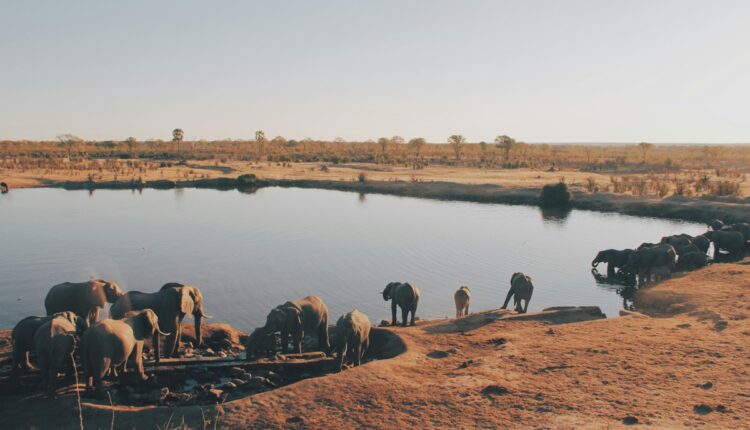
[260, 138]
[457, 142]
[645, 147]
[68, 141]
[177, 136]
[384, 143]
[131, 142]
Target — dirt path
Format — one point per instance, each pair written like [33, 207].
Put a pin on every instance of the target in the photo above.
[685, 367]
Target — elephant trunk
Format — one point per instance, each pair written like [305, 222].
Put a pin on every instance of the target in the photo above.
[198, 316]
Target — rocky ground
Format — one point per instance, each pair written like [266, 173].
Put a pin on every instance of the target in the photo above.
[682, 361]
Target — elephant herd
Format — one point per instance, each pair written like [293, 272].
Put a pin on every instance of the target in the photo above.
[105, 347]
[656, 261]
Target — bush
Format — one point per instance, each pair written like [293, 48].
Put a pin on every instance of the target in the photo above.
[556, 196]
[362, 178]
[247, 180]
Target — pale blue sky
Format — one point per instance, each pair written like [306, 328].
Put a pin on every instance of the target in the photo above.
[541, 71]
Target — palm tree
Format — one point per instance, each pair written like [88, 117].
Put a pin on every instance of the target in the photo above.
[457, 142]
[417, 143]
[506, 143]
[177, 136]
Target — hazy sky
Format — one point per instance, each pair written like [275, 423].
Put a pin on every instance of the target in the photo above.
[554, 71]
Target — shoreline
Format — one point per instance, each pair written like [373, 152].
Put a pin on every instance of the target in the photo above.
[693, 209]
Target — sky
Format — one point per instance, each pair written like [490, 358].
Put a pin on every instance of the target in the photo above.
[540, 71]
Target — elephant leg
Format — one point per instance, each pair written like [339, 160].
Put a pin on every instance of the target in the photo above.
[405, 316]
[156, 343]
[138, 358]
[323, 341]
[171, 342]
[458, 312]
[358, 354]
[284, 340]
[507, 298]
[466, 311]
[298, 340]
[526, 304]
[98, 376]
[393, 312]
[51, 381]
[413, 313]
[341, 353]
[610, 270]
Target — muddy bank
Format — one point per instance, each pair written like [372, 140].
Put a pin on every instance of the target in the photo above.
[676, 207]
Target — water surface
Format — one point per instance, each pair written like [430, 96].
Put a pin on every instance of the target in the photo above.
[251, 252]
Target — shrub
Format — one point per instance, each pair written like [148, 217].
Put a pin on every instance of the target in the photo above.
[362, 177]
[247, 180]
[556, 196]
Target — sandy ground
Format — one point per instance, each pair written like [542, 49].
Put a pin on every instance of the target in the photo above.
[682, 363]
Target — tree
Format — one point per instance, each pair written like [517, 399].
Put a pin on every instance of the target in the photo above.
[260, 138]
[506, 143]
[417, 143]
[457, 142]
[177, 136]
[398, 140]
[68, 141]
[483, 146]
[384, 143]
[131, 142]
[645, 147]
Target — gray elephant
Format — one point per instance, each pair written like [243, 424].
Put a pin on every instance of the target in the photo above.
[260, 343]
[729, 240]
[521, 288]
[295, 319]
[83, 298]
[462, 297]
[742, 227]
[171, 304]
[677, 240]
[692, 261]
[351, 338]
[111, 343]
[404, 296]
[645, 260]
[686, 249]
[54, 341]
[615, 259]
[647, 245]
[22, 336]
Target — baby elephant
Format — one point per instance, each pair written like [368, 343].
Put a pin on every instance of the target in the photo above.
[55, 340]
[352, 337]
[520, 289]
[111, 343]
[22, 337]
[403, 295]
[462, 299]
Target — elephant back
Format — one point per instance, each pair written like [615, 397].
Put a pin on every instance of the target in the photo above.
[131, 301]
[313, 310]
[406, 294]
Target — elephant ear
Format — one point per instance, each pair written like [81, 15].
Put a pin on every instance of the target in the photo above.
[95, 294]
[187, 303]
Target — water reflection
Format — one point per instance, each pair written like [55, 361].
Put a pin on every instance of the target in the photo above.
[555, 215]
[362, 197]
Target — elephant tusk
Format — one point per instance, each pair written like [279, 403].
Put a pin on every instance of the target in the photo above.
[207, 316]
[162, 333]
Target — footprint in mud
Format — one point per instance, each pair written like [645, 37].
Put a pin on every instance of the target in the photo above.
[437, 354]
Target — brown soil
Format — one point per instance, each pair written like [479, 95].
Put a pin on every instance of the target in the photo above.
[682, 363]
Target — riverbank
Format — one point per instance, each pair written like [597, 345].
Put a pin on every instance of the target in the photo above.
[682, 362]
[514, 187]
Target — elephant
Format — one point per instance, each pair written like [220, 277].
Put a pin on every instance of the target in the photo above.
[22, 336]
[647, 245]
[55, 341]
[701, 242]
[111, 343]
[644, 260]
[260, 343]
[692, 260]
[4, 187]
[462, 297]
[677, 240]
[521, 288]
[660, 273]
[171, 304]
[351, 338]
[83, 298]
[405, 296]
[614, 258]
[685, 249]
[729, 240]
[295, 318]
[742, 227]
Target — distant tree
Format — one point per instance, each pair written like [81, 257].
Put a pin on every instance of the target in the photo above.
[457, 142]
[417, 144]
[339, 140]
[131, 142]
[384, 143]
[68, 141]
[397, 140]
[506, 143]
[260, 139]
[278, 141]
[645, 147]
[483, 146]
[177, 136]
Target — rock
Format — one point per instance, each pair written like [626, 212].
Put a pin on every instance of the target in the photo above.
[721, 408]
[238, 382]
[229, 386]
[494, 390]
[630, 420]
[702, 409]
[221, 354]
[214, 394]
[720, 325]
[384, 323]
[437, 354]
[295, 420]
[209, 352]
[156, 396]
[452, 351]
[236, 372]
[259, 382]
[686, 325]
[706, 386]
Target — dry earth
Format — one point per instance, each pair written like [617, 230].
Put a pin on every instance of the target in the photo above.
[683, 363]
